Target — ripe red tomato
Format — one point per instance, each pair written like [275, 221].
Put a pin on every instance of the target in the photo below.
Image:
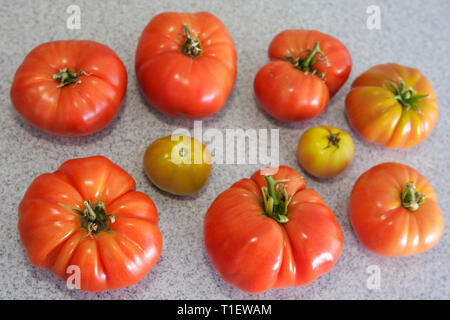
[69, 88]
[88, 214]
[186, 64]
[307, 68]
[394, 211]
[392, 105]
[271, 232]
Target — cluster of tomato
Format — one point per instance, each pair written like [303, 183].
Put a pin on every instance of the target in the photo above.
[268, 231]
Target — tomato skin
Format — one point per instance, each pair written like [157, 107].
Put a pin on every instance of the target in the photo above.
[76, 109]
[380, 221]
[255, 253]
[378, 117]
[290, 94]
[321, 158]
[179, 85]
[54, 238]
[175, 173]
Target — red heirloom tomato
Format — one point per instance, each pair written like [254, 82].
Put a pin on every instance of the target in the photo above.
[88, 214]
[186, 64]
[271, 232]
[392, 105]
[394, 211]
[307, 68]
[69, 88]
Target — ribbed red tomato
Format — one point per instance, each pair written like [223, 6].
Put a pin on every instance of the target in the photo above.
[87, 214]
[186, 64]
[271, 232]
[69, 88]
[307, 68]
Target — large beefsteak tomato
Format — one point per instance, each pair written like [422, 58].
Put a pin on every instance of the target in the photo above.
[87, 214]
[392, 105]
[271, 232]
[69, 88]
[394, 211]
[186, 64]
[307, 68]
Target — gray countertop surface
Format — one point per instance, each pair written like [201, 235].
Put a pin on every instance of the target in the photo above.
[411, 33]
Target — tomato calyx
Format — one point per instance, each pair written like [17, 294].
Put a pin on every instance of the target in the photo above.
[333, 139]
[191, 47]
[411, 200]
[67, 76]
[306, 65]
[405, 96]
[94, 218]
[276, 199]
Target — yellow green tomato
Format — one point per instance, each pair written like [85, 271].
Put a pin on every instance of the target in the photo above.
[325, 151]
[178, 164]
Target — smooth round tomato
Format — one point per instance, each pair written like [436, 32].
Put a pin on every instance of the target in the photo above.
[186, 64]
[307, 68]
[392, 105]
[270, 231]
[69, 88]
[87, 214]
[325, 151]
[394, 211]
[178, 164]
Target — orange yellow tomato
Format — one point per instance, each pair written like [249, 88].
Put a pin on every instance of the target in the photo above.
[325, 151]
[392, 105]
[178, 164]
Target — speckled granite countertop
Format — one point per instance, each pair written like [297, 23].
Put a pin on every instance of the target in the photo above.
[411, 34]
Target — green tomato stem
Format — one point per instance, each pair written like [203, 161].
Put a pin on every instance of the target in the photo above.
[191, 47]
[333, 139]
[307, 64]
[94, 218]
[411, 200]
[67, 76]
[276, 200]
[90, 212]
[406, 96]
